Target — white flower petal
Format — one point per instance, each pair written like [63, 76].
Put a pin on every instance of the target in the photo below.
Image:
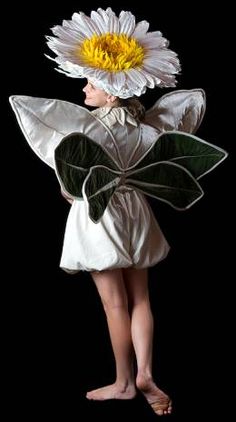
[127, 23]
[59, 47]
[150, 69]
[135, 84]
[73, 26]
[104, 14]
[154, 34]
[101, 80]
[101, 22]
[113, 25]
[69, 56]
[154, 43]
[151, 80]
[68, 34]
[68, 24]
[140, 30]
[133, 89]
[110, 12]
[161, 78]
[118, 80]
[85, 24]
[163, 65]
[136, 76]
[131, 84]
[164, 54]
[74, 69]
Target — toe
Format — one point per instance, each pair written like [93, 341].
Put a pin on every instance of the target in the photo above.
[159, 412]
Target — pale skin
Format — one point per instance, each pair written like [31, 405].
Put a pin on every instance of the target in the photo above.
[125, 298]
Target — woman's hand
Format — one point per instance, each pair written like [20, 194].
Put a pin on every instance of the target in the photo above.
[68, 198]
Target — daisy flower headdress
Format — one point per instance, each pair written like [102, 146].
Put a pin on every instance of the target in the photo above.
[116, 54]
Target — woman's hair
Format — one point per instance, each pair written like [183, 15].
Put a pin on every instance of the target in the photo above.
[134, 106]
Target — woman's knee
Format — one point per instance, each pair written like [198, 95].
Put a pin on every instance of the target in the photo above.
[115, 304]
[136, 282]
[111, 288]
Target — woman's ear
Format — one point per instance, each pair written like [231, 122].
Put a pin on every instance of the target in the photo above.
[111, 98]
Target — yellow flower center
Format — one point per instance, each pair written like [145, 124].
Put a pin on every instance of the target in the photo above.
[111, 52]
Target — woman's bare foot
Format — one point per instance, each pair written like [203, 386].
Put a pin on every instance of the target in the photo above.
[158, 400]
[113, 391]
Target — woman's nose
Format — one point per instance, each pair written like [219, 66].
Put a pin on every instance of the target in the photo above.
[85, 87]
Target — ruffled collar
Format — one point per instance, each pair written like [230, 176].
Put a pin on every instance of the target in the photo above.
[112, 115]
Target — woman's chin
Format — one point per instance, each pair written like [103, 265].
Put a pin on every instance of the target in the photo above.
[88, 102]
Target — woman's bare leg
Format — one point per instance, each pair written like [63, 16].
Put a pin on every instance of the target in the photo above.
[136, 282]
[113, 294]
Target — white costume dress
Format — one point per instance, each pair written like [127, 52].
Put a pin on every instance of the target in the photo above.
[128, 233]
[127, 160]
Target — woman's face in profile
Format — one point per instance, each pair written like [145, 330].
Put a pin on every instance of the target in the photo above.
[95, 97]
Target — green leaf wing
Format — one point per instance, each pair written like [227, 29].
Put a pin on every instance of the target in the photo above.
[74, 157]
[99, 187]
[192, 153]
[168, 171]
[168, 182]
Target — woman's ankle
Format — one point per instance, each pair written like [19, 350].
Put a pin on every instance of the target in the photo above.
[143, 379]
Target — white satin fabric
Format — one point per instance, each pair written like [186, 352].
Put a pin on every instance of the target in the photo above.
[128, 234]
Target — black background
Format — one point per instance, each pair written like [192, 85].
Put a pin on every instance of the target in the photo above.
[57, 344]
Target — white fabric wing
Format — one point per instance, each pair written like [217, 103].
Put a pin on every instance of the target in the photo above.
[181, 110]
[44, 122]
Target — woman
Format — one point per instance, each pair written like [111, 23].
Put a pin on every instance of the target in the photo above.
[124, 287]
[106, 160]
